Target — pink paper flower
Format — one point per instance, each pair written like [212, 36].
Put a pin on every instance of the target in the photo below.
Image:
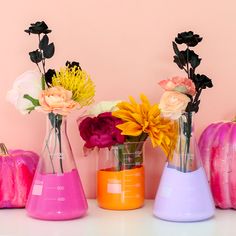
[101, 131]
[57, 99]
[173, 104]
[180, 84]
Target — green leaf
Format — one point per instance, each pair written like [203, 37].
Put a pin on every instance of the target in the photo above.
[34, 101]
[30, 109]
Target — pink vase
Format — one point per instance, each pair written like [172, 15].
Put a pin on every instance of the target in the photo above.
[56, 192]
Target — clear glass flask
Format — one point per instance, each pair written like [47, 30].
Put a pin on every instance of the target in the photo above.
[184, 193]
[56, 192]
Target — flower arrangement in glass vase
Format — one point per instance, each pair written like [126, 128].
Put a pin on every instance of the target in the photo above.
[118, 130]
[56, 93]
[179, 102]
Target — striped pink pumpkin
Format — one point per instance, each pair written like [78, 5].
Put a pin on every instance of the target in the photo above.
[17, 168]
[217, 145]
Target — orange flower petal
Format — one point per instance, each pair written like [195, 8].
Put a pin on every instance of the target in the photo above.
[130, 128]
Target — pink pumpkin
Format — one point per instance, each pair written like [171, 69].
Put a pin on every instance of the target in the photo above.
[17, 168]
[217, 145]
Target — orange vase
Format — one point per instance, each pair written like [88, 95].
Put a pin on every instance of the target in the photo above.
[120, 177]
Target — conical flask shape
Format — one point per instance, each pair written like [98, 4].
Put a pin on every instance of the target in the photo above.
[56, 192]
[184, 193]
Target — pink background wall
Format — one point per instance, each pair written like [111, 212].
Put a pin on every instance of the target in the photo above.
[126, 48]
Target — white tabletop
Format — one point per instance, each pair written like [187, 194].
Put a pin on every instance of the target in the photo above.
[105, 222]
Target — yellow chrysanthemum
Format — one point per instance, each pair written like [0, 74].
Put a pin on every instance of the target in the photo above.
[78, 82]
[145, 118]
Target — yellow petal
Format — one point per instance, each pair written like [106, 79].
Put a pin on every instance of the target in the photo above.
[124, 115]
[126, 106]
[130, 128]
[144, 99]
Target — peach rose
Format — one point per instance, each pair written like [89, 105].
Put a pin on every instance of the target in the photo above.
[57, 99]
[180, 84]
[173, 104]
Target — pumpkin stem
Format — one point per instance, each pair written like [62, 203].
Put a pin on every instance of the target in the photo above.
[234, 120]
[3, 149]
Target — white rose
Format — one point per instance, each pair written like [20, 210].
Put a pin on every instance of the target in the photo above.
[104, 106]
[27, 83]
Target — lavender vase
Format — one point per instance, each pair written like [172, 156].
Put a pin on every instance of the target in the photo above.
[184, 194]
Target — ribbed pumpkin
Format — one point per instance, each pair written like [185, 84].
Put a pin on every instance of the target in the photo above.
[17, 168]
[218, 150]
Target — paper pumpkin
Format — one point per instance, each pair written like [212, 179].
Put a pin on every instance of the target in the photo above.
[17, 168]
[218, 150]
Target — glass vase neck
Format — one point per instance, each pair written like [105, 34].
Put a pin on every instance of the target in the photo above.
[184, 155]
[57, 154]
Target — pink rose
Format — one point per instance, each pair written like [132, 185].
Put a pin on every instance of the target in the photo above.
[180, 84]
[173, 104]
[57, 99]
[101, 131]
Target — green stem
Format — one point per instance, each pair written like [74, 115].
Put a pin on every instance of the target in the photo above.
[143, 137]
[130, 155]
[120, 158]
[43, 82]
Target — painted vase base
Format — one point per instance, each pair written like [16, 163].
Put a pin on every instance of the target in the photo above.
[57, 197]
[120, 190]
[183, 197]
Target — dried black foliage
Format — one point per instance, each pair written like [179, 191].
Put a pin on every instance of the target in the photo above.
[48, 77]
[188, 38]
[45, 49]
[188, 61]
[38, 28]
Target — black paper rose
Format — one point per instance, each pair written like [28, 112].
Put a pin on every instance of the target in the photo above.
[189, 38]
[38, 28]
[188, 61]
[73, 64]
